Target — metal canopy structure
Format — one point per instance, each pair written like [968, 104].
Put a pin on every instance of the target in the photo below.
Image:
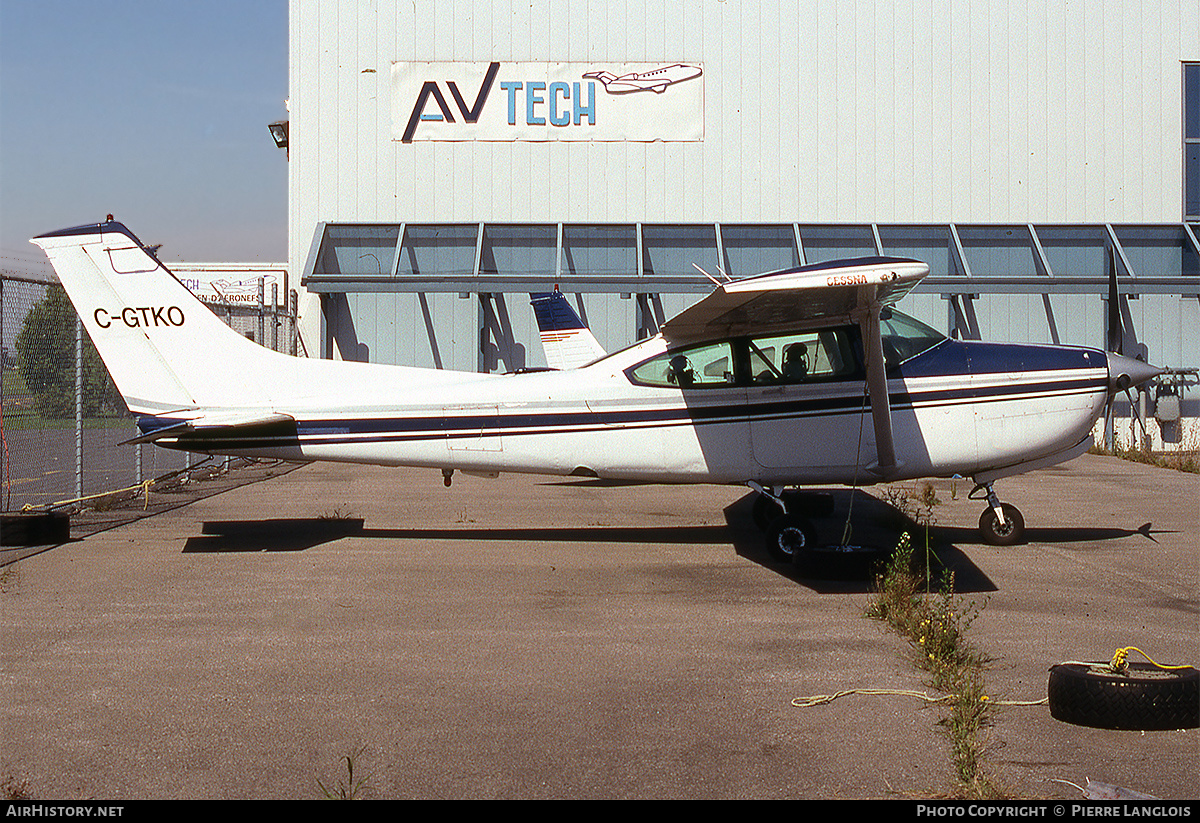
[643, 258]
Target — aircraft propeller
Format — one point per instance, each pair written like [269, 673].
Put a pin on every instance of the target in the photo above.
[1124, 373]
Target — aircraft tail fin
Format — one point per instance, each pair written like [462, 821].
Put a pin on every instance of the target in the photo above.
[164, 348]
[567, 341]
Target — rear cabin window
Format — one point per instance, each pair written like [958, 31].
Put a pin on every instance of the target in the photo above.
[697, 367]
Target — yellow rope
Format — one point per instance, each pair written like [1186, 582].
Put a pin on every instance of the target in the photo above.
[820, 699]
[144, 486]
[1120, 660]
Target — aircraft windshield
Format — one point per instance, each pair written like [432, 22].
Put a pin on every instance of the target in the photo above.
[905, 337]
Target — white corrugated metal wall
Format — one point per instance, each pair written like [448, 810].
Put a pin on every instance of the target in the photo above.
[830, 111]
[817, 110]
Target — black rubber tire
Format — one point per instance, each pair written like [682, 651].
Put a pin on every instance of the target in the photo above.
[1010, 534]
[1144, 698]
[789, 535]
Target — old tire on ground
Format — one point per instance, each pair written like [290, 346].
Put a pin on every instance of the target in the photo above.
[1144, 697]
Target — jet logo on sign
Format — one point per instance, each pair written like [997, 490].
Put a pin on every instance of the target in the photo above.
[431, 89]
[655, 80]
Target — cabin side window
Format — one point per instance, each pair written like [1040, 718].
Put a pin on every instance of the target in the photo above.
[796, 357]
[801, 356]
[709, 365]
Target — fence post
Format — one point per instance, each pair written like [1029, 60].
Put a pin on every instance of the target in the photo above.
[78, 408]
[295, 314]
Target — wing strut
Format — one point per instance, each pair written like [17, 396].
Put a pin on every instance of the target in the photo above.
[881, 407]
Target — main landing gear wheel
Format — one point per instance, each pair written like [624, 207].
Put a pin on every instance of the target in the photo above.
[1008, 533]
[1142, 697]
[791, 539]
[788, 536]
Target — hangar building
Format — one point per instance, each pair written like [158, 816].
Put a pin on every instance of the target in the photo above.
[449, 158]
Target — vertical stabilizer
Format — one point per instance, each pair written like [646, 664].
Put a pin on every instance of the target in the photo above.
[164, 348]
[567, 342]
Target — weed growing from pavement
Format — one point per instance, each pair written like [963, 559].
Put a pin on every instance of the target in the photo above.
[349, 788]
[935, 620]
[13, 789]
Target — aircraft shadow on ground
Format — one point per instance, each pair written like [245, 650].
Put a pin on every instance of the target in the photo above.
[1087, 534]
[271, 535]
[872, 523]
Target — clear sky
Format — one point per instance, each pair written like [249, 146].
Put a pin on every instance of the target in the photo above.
[155, 111]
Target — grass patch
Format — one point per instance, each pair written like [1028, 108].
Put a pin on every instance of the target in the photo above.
[934, 619]
[349, 787]
[935, 623]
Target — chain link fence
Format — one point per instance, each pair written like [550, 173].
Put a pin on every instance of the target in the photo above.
[61, 418]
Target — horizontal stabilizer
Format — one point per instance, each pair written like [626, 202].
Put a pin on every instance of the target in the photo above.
[222, 422]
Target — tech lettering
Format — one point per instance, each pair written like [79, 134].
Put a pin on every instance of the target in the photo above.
[140, 317]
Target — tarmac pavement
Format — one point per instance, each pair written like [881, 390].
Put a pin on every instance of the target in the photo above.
[560, 638]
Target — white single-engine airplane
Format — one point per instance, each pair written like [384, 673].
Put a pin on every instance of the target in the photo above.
[798, 377]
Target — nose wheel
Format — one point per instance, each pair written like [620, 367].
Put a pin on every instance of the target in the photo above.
[1001, 524]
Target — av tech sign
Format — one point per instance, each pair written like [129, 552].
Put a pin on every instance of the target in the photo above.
[540, 102]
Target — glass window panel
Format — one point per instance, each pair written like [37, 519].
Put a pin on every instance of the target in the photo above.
[519, 250]
[1075, 251]
[802, 356]
[706, 366]
[929, 244]
[358, 250]
[823, 244]
[436, 250]
[999, 251]
[1158, 251]
[670, 251]
[1191, 101]
[604, 250]
[758, 249]
[1191, 180]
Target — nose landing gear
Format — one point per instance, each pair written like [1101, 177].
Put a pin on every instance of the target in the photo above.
[1001, 524]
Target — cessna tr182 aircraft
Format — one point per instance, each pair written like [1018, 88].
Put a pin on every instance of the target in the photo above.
[798, 377]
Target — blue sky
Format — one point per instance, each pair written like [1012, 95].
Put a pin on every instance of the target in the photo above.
[155, 112]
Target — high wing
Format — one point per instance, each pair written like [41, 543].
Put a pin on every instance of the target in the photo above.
[850, 291]
[818, 294]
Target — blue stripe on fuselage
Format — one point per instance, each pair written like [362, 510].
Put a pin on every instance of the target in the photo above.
[379, 430]
[962, 357]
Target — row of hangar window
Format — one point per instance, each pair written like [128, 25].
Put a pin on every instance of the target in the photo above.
[455, 251]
